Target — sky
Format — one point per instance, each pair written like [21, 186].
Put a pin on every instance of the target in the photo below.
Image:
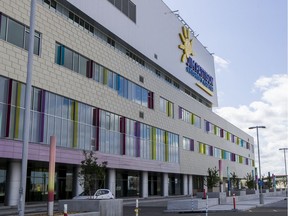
[249, 42]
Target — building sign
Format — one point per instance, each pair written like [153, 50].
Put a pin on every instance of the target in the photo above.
[192, 67]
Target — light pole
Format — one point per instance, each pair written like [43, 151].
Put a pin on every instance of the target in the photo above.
[284, 149]
[261, 198]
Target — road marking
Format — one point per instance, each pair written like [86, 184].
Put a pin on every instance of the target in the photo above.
[250, 210]
[275, 211]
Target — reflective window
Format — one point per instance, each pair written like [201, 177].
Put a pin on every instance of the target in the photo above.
[15, 34]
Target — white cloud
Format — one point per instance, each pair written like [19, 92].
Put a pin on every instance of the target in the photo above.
[270, 110]
[221, 64]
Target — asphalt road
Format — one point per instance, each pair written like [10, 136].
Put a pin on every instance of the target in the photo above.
[274, 209]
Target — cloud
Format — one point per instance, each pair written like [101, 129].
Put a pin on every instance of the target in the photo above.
[270, 110]
[221, 64]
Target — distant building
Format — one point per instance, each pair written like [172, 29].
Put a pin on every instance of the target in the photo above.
[127, 79]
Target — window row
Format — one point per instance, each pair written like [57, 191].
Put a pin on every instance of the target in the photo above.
[214, 129]
[78, 125]
[127, 7]
[124, 87]
[189, 117]
[18, 34]
[223, 154]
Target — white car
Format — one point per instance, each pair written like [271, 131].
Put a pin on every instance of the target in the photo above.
[99, 194]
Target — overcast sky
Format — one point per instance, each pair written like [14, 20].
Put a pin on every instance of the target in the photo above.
[249, 42]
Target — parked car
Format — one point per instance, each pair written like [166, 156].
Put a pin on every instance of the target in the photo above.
[99, 194]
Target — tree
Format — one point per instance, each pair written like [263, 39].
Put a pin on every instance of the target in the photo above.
[249, 181]
[234, 180]
[212, 178]
[91, 172]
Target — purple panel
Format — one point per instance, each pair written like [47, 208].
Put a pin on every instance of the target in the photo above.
[137, 135]
[180, 112]
[96, 121]
[89, 68]
[123, 134]
[207, 126]
[191, 144]
[42, 117]
[8, 108]
[211, 151]
[221, 132]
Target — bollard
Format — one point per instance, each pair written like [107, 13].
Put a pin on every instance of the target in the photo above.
[65, 210]
[204, 194]
[234, 202]
[207, 205]
[137, 209]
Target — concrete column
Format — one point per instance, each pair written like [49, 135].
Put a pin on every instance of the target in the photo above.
[144, 184]
[14, 177]
[77, 189]
[205, 182]
[165, 184]
[112, 181]
[185, 184]
[190, 185]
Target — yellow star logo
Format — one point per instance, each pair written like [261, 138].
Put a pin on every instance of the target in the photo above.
[186, 45]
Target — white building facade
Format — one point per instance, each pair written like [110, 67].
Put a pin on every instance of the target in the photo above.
[125, 78]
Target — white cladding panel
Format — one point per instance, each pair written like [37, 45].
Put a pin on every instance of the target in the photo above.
[156, 31]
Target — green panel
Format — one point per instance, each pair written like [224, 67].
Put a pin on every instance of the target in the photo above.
[105, 76]
[153, 143]
[238, 141]
[227, 135]
[75, 122]
[215, 129]
[166, 140]
[192, 119]
[18, 110]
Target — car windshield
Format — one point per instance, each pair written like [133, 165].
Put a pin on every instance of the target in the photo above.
[86, 193]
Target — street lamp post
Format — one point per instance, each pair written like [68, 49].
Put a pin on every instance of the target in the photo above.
[284, 149]
[261, 197]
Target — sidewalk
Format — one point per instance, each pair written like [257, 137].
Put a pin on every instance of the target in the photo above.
[245, 204]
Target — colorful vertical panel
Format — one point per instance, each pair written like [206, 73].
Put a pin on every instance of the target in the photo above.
[137, 135]
[105, 76]
[166, 140]
[207, 126]
[42, 115]
[123, 134]
[9, 108]
[89, 68]
[18, 110]
[96, 123]
[153, 134]
[180, 112]
[52, 160]
[75, 123]
[191, 145]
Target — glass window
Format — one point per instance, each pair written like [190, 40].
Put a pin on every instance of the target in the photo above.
[3, 89]
[3, 26]
[76, 62]
[68, 58]
[83, 65]
[36, 41]
[15, 33]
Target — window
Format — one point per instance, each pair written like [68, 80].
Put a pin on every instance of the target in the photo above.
[188, 144]
[15, 34]
[18, 34]
[167, 107]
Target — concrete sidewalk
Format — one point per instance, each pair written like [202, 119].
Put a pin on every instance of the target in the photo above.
[245, 204]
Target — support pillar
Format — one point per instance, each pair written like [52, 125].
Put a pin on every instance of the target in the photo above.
[190, 185]
[112, 181]
[144, 184]
[185, 184]
[14, 177]
[77, 189]
[165, 184]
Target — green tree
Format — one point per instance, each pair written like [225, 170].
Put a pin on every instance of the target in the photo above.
[249, 181]
[91, 172]
[213, 177]
[234, 180]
